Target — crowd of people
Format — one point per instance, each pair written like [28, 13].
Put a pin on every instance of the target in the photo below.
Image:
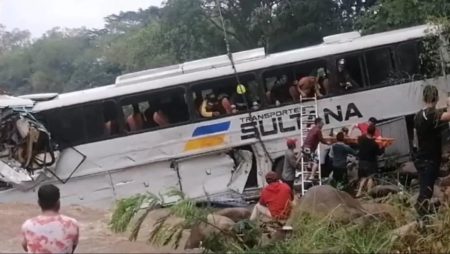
[427, 157]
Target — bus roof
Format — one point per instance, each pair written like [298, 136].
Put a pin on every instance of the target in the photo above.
[250, 60]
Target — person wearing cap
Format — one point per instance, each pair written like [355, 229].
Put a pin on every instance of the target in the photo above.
[290, 164]
[208, 108]
[274, 201]
[362, 127]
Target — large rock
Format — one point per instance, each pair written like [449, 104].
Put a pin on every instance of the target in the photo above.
[383, 190]
[235, 213]
[383, 211]
[216, 224]
[324, 200]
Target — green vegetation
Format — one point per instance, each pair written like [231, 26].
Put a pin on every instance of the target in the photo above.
[71, 59]
[369, 234]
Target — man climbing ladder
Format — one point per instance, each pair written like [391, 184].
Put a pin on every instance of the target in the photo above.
[310, 136]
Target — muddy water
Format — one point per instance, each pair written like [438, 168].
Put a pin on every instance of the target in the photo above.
[95, 237]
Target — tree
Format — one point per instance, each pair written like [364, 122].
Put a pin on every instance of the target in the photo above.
[187, 33]
[393, 14]
[14, 39]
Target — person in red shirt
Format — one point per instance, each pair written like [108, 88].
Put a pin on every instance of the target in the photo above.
[364, 126]
[275, 199]
[311, 143]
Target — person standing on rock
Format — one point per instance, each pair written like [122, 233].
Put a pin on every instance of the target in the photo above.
[290, 164]
[275, 200]
[427, 124]
[50, 232]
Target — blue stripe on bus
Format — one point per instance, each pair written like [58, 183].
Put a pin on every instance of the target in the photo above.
[210, 129]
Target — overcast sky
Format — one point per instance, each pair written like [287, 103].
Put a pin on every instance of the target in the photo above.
[38, 16]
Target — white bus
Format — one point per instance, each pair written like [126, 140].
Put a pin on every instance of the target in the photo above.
[101, 159]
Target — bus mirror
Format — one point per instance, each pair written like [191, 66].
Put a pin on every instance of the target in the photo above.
[240, 89]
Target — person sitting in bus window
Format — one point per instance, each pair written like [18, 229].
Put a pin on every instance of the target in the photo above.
[135, 121]
[208, 108]
[323, 81]
[363, 127]
[225, 106]
[148, 114]
[244, 102]
[280, 91]
[111, 123]
[344, 79]
[160, 118]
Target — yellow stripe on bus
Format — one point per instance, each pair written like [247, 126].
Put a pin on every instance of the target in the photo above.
[205, 142]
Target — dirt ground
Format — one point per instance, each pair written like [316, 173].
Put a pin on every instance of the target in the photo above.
[95, 237]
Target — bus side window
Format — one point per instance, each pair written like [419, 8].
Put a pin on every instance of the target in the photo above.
[280, 86]
[134, 115]
[169, 107]
[347, 75]
[67, 125]
[379, 66]
[311, 79]
[94, 121]
[111, 119]
[408, 59]
[221, 97]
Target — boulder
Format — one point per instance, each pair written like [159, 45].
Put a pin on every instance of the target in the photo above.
[324, 200]
[216, 224]
[404, 230]
[383, 190]
[383, 211]
[235, 213]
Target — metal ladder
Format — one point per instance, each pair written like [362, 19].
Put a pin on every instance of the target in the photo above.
[308, 114]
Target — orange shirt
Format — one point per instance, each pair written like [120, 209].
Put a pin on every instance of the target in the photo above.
[363, 129]
[277, 198]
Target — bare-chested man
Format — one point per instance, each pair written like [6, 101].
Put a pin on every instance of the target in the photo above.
[313, 85]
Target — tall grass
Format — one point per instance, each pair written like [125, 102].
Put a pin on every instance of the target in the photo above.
[310, 235]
